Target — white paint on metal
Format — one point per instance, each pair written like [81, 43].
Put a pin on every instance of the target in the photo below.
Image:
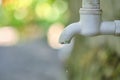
[90, 23]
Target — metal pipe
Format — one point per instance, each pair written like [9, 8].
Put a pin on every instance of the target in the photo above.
[91, 4]
[69, 32]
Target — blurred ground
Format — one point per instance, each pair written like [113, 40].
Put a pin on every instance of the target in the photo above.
[31, 60]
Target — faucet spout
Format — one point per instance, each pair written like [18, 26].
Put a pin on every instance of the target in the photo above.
[68, 33]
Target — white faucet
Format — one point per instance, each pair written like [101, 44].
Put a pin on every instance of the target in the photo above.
[90, 23]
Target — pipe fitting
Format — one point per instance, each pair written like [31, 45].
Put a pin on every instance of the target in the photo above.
[90, 21]
[110, 28]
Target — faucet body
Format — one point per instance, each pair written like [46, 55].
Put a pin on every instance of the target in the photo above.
[90, 20]
[90, 23]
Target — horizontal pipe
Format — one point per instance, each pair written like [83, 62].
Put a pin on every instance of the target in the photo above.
[108, 28]
[117, 31]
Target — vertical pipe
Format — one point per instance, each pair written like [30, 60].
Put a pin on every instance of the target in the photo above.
[91, 4]
[90, 17]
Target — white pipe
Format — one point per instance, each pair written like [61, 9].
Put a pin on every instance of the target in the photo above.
[69, 32]
[107, 28]
[117, 28]
[90, 23]
[91, 4]
[110, 28]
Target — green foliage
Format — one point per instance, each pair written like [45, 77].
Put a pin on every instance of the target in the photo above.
[41, 12]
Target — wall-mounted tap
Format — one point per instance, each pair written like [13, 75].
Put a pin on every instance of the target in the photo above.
[90, 23]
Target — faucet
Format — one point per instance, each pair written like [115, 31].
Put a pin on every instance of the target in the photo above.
[90, 23]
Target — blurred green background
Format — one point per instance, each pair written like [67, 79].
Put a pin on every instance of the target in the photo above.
[96, 58]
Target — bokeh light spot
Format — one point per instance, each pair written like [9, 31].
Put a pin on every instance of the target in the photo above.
[43, 10]
[23, 3]
[62, 6]
[20, 13]
[47, 11]
[8, 36]
[53, 35]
